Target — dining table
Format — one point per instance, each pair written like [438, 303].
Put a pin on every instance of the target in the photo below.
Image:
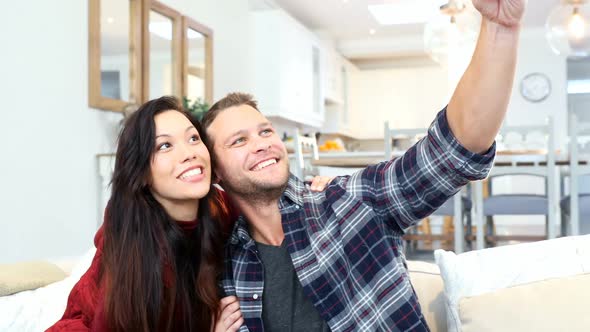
[507, 160]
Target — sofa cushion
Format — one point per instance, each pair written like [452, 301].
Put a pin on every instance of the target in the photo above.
[478, 272]
[428, 284]
[550, 305]
[37, 310]
[23, 276]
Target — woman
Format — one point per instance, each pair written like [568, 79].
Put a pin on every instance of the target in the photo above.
[159, 251]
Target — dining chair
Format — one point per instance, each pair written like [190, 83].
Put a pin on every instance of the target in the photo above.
[459, 208]
[575, 207]
[521, 162]
[303, 144]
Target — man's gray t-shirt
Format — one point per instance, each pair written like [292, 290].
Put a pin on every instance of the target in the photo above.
[285, 307]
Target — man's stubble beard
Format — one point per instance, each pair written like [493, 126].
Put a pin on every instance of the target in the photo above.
[256, 192]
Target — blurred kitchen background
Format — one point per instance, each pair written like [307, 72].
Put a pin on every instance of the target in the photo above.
[337, 70]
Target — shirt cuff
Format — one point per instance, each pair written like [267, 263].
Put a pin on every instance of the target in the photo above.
[472, 166]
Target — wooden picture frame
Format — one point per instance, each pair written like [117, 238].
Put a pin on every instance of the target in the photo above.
[95, 96]
[177, 58]
[207, 75]
[139, 55]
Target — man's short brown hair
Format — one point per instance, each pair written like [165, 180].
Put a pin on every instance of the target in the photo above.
[231, 100]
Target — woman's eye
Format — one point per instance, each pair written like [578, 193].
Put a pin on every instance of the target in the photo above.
[164, 146]
[266, 132]
[194, 139]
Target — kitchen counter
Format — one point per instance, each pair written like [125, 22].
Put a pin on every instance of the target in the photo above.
[366, 158]
[348, 159]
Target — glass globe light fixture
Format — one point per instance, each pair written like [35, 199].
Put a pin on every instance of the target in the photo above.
[567, 28]
[454, 29]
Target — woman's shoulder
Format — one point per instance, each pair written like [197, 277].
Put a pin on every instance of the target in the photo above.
[99, 238]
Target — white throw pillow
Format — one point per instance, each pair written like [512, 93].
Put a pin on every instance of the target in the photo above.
[482, 271]
[37, 310]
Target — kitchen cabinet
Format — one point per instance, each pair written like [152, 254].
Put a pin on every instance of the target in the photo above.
[286, 71]
[332, 79]
[341, 105]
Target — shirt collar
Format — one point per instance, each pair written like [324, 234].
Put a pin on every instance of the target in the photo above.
[240, 233]
[293, 195]
[294, 192]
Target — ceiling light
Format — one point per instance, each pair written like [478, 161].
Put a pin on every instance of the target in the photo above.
[372, 31]
[454, 29]
[388, 12]
[568, 28]
[110, 20]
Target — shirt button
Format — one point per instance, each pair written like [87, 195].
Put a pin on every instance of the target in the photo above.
[255, 296]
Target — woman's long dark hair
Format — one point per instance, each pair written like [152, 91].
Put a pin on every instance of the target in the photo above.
[155, 277]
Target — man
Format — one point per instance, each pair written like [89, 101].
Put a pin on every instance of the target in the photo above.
[302, 261]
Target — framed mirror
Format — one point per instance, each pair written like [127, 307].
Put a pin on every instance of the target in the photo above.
[163, 58]
[114, 54]
[141, 50]
[197, 72]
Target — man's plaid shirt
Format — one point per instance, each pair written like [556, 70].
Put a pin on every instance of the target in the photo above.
[346, 242]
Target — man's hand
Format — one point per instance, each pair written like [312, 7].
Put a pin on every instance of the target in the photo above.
[507, 13]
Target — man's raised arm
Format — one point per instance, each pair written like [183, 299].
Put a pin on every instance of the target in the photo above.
[477, 108]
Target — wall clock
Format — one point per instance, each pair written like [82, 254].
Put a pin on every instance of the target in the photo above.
[535, 87]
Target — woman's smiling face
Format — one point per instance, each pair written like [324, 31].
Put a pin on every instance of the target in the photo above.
[180, 170]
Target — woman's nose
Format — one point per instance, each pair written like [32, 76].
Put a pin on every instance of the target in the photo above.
[188, 153]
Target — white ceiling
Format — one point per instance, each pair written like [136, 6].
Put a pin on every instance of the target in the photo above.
[349, 21]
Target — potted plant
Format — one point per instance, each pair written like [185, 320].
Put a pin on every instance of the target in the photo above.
[196, 108]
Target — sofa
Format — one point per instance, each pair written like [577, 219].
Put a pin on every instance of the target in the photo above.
[540, 286]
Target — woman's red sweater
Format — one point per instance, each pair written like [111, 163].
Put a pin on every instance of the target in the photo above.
[85, 308]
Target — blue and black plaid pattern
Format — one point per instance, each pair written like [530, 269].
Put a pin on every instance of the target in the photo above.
[346, 242]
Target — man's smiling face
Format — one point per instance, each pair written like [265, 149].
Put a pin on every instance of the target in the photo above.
[251, 158]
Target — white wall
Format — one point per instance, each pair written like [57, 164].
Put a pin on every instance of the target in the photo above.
[536, 56]
[409, 97]
[406, 97]
[48, 171]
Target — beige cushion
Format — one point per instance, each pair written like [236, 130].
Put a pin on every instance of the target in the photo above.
[23, 276]
[428, 284]
[550, 305]
[480, 272]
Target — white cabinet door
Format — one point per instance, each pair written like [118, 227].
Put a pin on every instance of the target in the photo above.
[265, 60]
[333, 77]
[303, 81]
[287, 68]
[339, 115]
[317, 91]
